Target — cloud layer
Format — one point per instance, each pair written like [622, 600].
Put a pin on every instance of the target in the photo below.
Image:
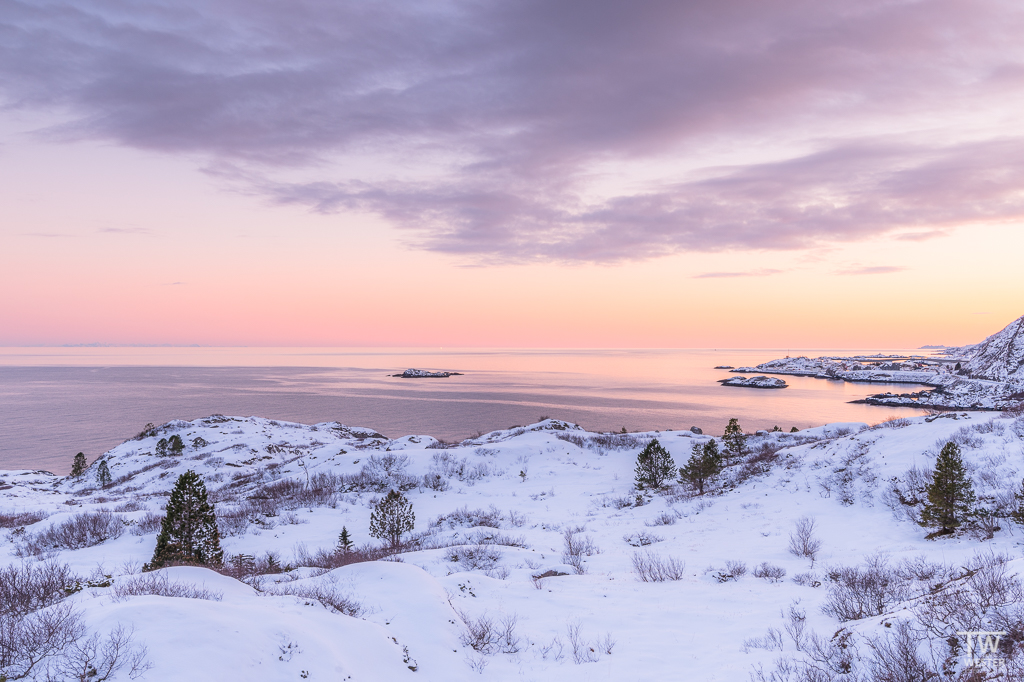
[574, 131]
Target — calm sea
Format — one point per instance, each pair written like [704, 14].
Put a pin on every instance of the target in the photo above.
[55, 402]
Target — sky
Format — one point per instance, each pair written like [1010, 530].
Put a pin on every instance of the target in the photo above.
[742, 173]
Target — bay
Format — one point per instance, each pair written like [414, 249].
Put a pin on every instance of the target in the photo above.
[55, 402]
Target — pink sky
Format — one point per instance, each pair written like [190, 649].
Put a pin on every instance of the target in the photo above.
[545, 175]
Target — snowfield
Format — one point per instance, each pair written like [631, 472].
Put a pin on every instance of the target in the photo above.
[467, 599]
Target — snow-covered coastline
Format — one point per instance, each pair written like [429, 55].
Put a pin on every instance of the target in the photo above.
[492, 513]
[984, 376]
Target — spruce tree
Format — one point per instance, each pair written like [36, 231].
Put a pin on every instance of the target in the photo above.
[103, 476]
[79, 465]
[391, 518]
[188, 533]
[654, 466]
[950, 494]
[734, 438]
[344, 540]
[704, 465]
[175, 446]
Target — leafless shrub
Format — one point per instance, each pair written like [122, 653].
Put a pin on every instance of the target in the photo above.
[652, 568]
[807, 580]
[733, 571]
[434, 481]
[81, 530]
[964, 437]
[508, 640]
[984, 526]
[449, 466]
[906, 493]
[130, 506]
[665, 518]
[802, 541]
[327, 593]
[736, 569]
[796, 625]
[602, 443]
[150, 523]
[475, 557]
[327, 560]
[857, 593]
[25, 588]
[96, 658]
[21, 519]
[28, 641]
[769, 572]
[896, 657]
[894, 422]
[464, 517]
[641, 539]
[481, 634]
[577, 545]
[159, 584]
[582, 651]
[772, 641]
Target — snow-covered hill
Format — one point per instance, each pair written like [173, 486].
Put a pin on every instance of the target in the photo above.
[1000, 357]
[533, 557]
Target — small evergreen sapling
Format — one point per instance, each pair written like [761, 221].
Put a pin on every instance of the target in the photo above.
[392, 518]
[344, 541]
[188, 533]
[175, 446]
[79, 465]
[654, 466]
[950, 494]
[103, 476]
[734, 438]
[704, 465]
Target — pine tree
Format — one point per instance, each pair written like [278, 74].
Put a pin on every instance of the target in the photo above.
[704, 465]
[175, 446]
[734, 438]
[188, 533]
[79, 465]
[344, 541]
[103, 476]
[161, 447]
[654, 466]
[950, 494]
[794, 430]
[391, 518]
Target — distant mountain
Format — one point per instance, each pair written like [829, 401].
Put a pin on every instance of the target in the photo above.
[931, 347]
[1000, 357]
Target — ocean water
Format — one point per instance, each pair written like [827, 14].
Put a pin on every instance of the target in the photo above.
[55, 402]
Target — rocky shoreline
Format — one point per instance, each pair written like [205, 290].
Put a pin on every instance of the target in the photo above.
[984, 376]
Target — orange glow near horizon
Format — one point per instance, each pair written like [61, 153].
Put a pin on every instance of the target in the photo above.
[120, 261]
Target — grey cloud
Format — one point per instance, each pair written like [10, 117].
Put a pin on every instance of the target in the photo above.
[516, 101]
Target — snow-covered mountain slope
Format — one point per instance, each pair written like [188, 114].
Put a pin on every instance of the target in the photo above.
[1000, 357]
[496, 514]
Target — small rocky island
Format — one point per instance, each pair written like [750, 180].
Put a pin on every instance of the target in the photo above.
[423, 374]
[754, 382]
